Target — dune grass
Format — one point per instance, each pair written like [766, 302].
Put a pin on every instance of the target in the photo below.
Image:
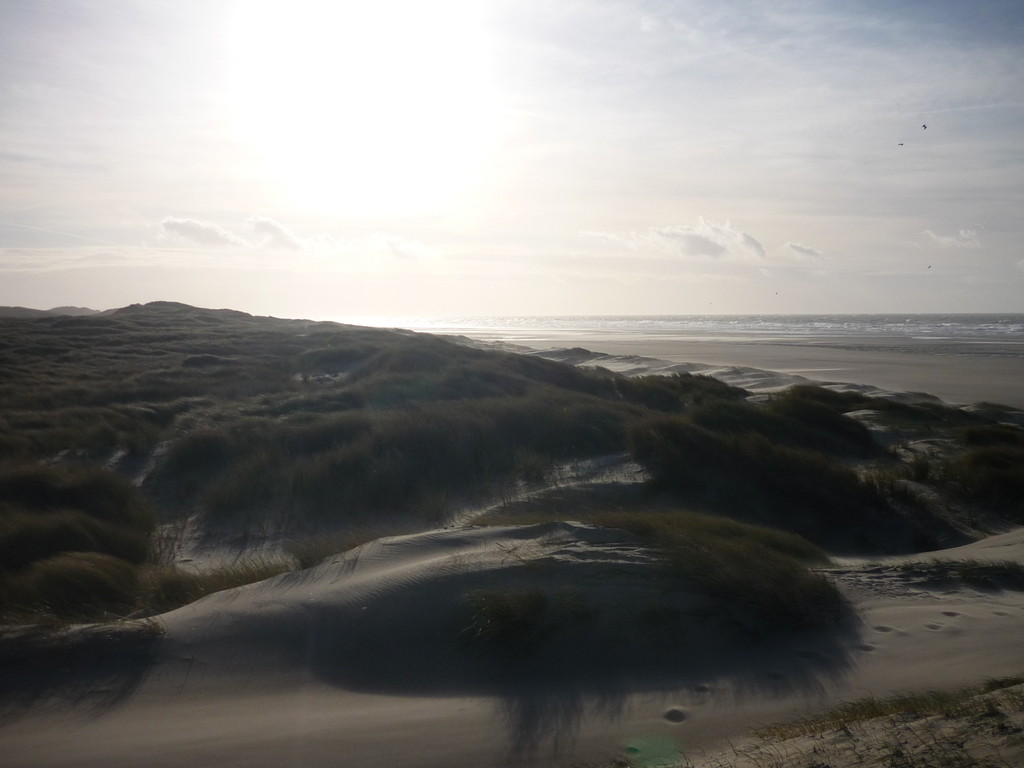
[70, 586]
[256, 422]
[754, 571]
[992, 475]
[748, 476]
[969, 703]
[71, 540]
[163, 588]
[78, 543]
[798, 422]
[313, 549]
[761, 575]
[89, 586]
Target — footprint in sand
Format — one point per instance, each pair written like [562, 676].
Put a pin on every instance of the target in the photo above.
[675, 715]
[867, 647]
[934, 627]
[951, 613]
[1000, 613]
[883, 628]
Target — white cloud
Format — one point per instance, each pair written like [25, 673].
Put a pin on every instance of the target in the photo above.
[703, 240]
[650, 24]
[275, 234]
[398, 246]
[801, 252]
[201, 232]
[964, 238]
[270, 234]
[319, 253]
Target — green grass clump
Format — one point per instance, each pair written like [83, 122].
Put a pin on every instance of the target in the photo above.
[315, 548]
[91, 490]
[71, 539]
[838, 402]
[71, 586]
[994, 434]
[364, 466]
[28, 536]
[756, 571]
[747, 476]
[676, 392]
[90, 586]
[992, 475]
[163, 588]
[793, 421]
[759, 573]
[821, 427]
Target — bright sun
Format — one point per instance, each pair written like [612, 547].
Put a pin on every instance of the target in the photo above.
[371, 107]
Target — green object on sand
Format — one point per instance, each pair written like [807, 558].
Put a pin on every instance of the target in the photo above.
[652, 751]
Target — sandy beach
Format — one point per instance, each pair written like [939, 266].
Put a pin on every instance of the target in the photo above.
[955, 370]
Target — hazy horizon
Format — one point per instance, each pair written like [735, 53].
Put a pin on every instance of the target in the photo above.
[456, 321]
[487, 158]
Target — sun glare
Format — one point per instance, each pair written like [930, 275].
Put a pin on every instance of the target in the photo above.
[370, 108]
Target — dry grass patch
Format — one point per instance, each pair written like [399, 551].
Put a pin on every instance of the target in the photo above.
[757, 572]
[761, 575]
[315, 548]
[163, 588]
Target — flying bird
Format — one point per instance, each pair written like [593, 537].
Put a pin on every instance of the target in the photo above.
[924, 127]
[900, 144]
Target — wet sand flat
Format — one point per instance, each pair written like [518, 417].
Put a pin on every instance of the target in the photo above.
[955, 370]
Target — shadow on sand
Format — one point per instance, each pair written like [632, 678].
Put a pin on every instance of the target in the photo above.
[91, 668]
[545, 690]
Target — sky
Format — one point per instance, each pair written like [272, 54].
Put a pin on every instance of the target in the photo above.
[330, 159]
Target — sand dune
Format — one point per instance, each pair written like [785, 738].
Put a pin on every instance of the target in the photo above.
[371, 658]
[358, 661]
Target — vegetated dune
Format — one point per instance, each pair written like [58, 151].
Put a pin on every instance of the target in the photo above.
[382, 655]
[641, 611]
[476, 611]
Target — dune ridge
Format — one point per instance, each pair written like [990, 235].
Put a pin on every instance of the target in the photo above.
[364, 635]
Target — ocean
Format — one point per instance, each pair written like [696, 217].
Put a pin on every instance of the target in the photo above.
[983, 328]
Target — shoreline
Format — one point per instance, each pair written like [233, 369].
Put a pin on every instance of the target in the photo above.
[958, 371]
